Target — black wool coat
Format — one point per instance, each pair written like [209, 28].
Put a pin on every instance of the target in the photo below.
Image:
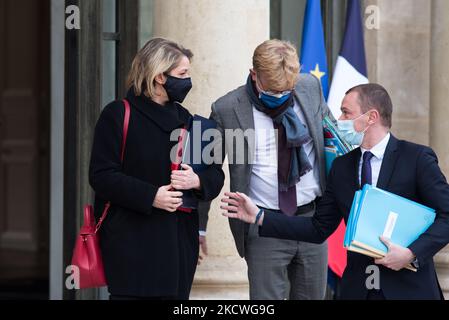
[147, 252]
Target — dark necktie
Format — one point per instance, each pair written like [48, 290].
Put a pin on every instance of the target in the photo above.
[366, 177]
[287, 198]
[287, 201]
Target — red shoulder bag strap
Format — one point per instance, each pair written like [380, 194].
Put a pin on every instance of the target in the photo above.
[125, 128]
[122, 154]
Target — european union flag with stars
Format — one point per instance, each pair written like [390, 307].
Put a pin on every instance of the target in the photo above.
[313, 50]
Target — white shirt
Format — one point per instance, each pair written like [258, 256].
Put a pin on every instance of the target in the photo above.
[263, 187]
[376, 162]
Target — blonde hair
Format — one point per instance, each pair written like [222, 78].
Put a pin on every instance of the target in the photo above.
[277, 61]
[157, 56]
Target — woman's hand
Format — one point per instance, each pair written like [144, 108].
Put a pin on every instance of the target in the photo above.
[239, 206]
[166, 199]
[185, 179]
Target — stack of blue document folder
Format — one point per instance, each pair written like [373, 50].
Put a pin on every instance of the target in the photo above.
[376, 213]
[334, 144]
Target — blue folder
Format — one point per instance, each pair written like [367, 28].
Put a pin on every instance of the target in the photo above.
[197, 127]
[330, 154]
[334, 144]
[194, 148]
[376, 212]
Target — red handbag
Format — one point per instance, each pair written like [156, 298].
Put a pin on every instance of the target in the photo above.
[87, 254]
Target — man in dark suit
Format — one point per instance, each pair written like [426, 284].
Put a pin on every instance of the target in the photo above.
[404, 168]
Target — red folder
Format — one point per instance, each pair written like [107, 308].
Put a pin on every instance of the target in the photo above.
[176, 165]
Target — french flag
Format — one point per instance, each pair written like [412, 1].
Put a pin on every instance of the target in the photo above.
[350, 71]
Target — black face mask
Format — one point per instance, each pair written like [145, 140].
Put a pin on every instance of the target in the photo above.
[177, 88]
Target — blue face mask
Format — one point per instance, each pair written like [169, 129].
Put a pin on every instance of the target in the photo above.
[274, 101]
[348, 132]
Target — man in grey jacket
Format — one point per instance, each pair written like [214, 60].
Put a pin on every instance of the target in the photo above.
[281, 167]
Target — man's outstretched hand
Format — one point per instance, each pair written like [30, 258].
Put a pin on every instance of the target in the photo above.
[239, 206]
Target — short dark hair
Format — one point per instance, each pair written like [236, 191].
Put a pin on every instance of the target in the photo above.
[374, 96]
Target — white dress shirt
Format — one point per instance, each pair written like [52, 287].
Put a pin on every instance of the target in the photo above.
[263, 187]
[376, 162]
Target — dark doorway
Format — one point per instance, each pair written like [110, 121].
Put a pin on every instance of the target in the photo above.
[24, 148]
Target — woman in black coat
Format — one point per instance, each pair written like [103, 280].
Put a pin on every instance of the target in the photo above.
[149, 247]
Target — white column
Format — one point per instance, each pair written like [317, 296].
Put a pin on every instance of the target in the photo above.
[57, 269]
[222, 36]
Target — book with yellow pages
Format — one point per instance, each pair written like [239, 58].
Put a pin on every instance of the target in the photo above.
[376, 213]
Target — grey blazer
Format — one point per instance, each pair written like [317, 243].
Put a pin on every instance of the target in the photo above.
[235, 111]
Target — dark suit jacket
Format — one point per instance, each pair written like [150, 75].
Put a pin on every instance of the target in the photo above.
[408, 170]
[146, 251]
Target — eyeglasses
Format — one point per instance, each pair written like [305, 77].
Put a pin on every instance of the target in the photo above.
[276, 94]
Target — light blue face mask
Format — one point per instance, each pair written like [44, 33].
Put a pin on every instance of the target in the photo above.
[348, 132]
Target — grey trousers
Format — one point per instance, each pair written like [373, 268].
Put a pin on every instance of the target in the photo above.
[285, 269]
